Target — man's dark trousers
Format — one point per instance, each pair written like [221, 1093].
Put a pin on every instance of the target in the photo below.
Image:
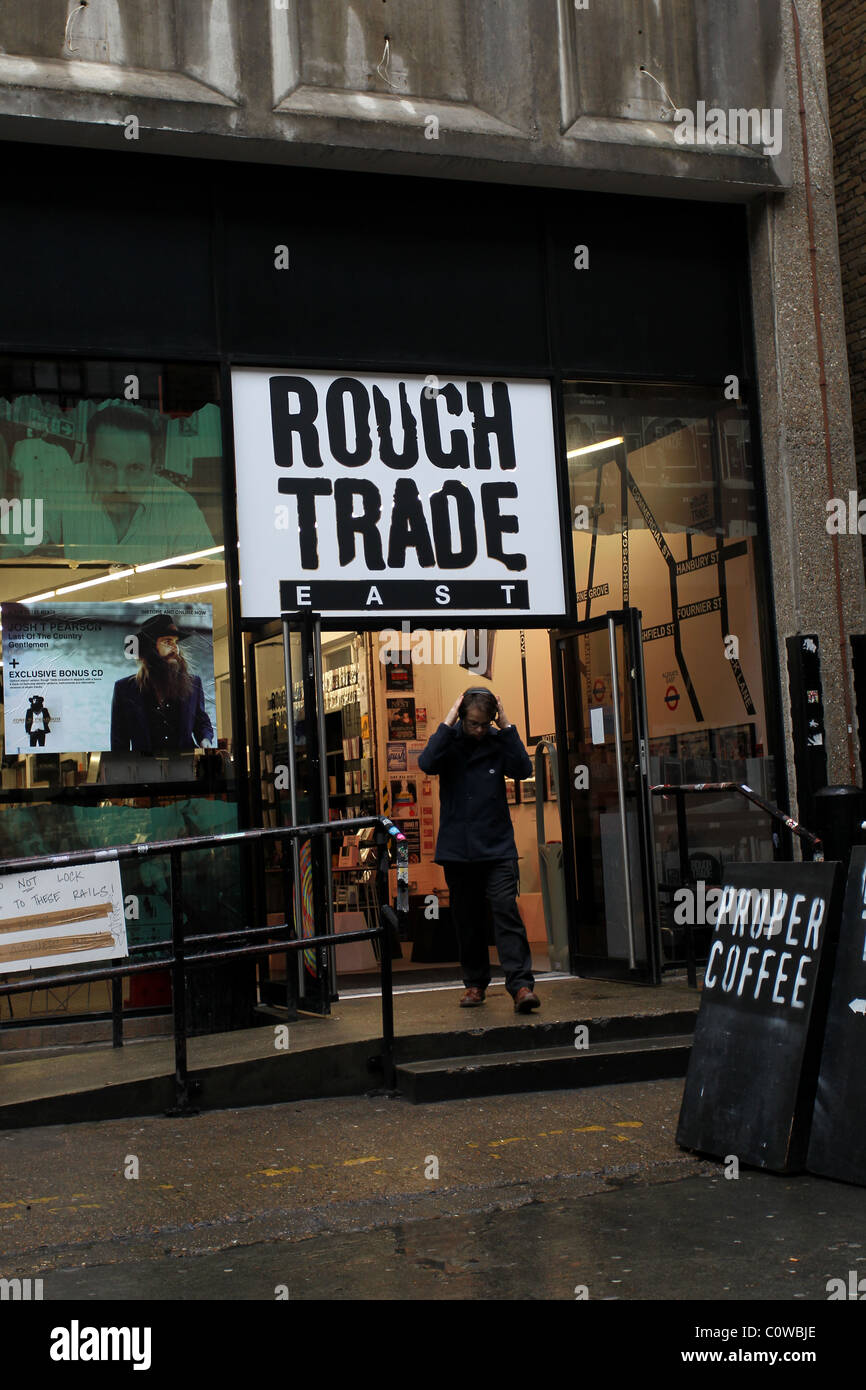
[470, 886]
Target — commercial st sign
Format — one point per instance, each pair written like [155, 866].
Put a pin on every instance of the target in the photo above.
[395, 496]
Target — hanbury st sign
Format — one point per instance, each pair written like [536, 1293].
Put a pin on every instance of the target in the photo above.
[394, 496]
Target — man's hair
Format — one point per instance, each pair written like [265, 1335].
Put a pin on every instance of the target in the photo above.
[130, 419]
[482, 699]
[177, 678]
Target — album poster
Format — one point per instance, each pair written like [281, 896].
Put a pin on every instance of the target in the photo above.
[110, 677]
[401, 719]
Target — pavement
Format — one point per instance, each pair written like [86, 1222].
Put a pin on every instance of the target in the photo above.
[557, 1196]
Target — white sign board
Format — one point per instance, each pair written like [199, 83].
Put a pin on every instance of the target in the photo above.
[396, 496]
[61, 916]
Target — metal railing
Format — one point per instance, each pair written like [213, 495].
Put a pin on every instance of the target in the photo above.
[281, 938]
[679, 792]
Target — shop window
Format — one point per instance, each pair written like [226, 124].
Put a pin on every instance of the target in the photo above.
[665, 512]
[116, 717]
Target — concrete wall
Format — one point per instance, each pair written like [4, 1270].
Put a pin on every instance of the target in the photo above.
[550, 91]
[845, 44]
[817, 577]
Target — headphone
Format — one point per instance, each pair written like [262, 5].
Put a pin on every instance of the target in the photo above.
[477, 694]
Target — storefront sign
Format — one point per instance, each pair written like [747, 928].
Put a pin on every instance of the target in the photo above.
[837, 1148]
[77, 677]
[750, 1087]
[61, 916]
[396, 496]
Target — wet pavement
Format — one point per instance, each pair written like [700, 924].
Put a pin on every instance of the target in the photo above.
[699, 1238]
[512, 1197]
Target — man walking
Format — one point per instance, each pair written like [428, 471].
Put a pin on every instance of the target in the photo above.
[472, 752]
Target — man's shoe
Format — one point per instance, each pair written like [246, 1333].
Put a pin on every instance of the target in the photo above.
[472, 998]
[525, 1001]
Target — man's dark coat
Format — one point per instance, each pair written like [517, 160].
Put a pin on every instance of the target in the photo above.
[474, 820]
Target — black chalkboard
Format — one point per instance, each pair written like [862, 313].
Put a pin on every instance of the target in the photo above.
[837, 1148]
[753, 1071]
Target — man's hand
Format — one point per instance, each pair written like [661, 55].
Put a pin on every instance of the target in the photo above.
[453, 715]
[501, 716]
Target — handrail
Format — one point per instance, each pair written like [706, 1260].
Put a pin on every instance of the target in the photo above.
[670, 788]
[679, 791]
[387, 837]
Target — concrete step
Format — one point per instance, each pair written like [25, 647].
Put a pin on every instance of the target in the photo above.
[652, 1058]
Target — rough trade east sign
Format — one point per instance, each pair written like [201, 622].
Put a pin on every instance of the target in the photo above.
[396, 496]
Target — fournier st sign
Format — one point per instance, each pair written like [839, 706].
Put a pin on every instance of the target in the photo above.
[393, 496]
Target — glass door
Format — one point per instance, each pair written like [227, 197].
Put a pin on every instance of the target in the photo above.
[287, 790]
[607, 815]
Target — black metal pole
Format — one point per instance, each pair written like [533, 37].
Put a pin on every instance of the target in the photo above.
[685, 880]
[380, 840]
[117, 1012]
[287, 880]
[178, 990]
[386, 984]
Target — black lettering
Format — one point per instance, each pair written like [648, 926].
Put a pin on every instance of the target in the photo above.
[285, 423]
[365, 525]
[335, 411]
[446, 556]
[458, 456]
[499, 423]
[387, 452]
[408, 527]
[495, 525]
[307, 490]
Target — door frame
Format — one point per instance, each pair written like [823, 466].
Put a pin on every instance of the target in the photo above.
[631, 683]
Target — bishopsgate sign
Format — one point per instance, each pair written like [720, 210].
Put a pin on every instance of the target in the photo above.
[396, 496]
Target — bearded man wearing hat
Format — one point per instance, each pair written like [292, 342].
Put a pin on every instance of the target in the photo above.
[161, 708]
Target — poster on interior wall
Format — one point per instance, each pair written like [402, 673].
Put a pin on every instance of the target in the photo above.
[396, 757]
[404, 798]
[413, 753]
[393, 496]
[401, 719]
[61, 916]
[123, 678]
[398, 675]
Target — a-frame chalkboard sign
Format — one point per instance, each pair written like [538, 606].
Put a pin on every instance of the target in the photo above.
[753, 1071]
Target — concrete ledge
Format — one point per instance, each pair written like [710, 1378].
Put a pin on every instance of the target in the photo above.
[328, 1056]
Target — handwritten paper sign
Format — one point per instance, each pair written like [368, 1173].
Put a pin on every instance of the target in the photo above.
[750, 1087]
[61, 916]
